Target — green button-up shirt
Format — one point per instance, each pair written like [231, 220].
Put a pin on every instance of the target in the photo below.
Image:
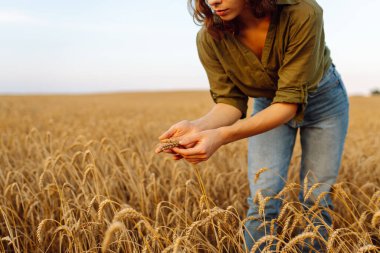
[294, 59]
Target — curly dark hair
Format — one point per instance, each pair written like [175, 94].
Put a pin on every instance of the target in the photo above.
[203, 15]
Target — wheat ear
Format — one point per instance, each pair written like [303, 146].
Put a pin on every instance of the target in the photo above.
[375, 219]
[167, 144]
[258, 173]
[115, 226]
[299, 238]
[367, 248]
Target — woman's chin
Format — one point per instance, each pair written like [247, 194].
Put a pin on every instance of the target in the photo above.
[227, 18]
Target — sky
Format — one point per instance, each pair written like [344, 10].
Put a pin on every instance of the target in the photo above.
[92, 46]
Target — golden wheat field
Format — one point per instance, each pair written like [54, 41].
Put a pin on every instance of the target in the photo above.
[79, 174]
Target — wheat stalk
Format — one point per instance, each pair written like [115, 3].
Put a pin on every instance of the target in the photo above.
[317, 202]
[261, 200]
[367, 248]
[288, 187]
[308, 194]
[230, 213]
[128, 213]
[40, 228]
[259, 172]
[91, 204]
[213, 212]
[263, 239]
[305, 185]
[300, 239]
[115, 226]
[333, 237]
[287, 206]
[102, 205]
[375, 219]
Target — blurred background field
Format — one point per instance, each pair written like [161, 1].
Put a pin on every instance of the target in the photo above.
[78, 173]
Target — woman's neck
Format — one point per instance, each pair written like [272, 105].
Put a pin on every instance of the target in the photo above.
[247, 20]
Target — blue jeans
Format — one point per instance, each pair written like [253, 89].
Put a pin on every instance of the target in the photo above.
[322, 133]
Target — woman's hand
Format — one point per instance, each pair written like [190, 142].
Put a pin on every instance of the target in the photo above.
[220, 115]
[204, 144]
[177, 130]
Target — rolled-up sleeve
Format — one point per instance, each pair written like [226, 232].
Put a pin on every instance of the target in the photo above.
[303, 56]
[222, 89]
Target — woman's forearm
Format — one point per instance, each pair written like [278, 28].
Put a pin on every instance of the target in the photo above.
[265, 120]
[220, 115]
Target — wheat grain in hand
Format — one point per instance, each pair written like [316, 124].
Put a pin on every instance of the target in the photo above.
[167, 144]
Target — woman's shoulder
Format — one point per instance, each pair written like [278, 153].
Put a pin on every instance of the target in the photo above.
[202, 34]
[302, 10]
[206, 41]
[203, 40]
[204, 37]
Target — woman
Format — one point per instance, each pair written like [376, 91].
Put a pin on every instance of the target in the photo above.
[273, 51]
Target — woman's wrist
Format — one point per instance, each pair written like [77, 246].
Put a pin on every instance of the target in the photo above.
[227, 134]
[198, 125]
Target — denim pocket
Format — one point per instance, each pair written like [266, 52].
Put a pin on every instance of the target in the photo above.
[260, 103]
[342, 85]
[331, 100]
[329, 81]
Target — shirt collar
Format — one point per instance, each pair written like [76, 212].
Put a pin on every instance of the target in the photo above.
[280, 2]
